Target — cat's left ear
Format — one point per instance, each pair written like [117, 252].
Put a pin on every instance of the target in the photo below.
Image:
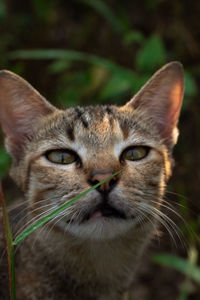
[160, 99]
[22, 109]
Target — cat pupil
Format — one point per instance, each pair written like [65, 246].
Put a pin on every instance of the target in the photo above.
[63, 158]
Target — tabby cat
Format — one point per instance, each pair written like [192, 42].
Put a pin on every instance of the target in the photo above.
[93, 248]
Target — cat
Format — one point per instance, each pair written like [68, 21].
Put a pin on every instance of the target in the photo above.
[92, 250]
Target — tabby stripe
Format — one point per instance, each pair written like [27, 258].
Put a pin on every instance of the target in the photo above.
[70, 133]
[81, 118]
[124, 128]
[109, 111]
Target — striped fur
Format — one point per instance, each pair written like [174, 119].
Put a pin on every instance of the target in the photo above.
[97, 258]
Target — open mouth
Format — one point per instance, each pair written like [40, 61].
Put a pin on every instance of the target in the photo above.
[104, 210]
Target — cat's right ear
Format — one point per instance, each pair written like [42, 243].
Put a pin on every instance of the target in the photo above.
[21, 109]
[160, 99]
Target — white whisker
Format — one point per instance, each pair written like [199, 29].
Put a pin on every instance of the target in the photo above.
[36, 218]
[166, 222]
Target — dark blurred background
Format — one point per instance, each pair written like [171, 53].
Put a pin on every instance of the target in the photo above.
[102, 51]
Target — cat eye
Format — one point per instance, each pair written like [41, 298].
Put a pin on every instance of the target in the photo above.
[64, 157]
[135, 153]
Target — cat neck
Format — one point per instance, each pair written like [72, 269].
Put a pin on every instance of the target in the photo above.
[93, 262]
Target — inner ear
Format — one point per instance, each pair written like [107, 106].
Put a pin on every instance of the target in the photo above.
[161, 98]
[21, 109]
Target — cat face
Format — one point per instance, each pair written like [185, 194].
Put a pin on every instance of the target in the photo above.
[59, 154]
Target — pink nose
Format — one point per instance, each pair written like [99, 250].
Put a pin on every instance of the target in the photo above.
[98, 176]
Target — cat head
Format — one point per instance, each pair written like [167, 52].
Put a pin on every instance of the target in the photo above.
[57, 154]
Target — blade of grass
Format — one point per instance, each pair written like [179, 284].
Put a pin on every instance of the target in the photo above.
[69, 55]
[32, 228]
[9, 246]
[179, 264]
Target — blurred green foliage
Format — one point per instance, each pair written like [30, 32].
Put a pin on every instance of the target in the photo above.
[4, 162]
[93, 51]
[182, 265]
[188, 267]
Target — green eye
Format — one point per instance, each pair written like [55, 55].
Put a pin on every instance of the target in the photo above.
[135, 153]
[64, 157]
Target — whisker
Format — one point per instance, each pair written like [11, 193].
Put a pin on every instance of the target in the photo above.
[36, 218]
[145, 216]
[161, 221]
[28, 207]
[176, 194]
[169, 207]
[167, 222]
[59, 216]
[32, 212]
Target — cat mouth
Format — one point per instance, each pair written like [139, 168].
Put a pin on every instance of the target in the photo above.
[104, 210]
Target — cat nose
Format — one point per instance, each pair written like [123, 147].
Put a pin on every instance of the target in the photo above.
[107, 186]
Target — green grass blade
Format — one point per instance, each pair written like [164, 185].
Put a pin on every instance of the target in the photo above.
[70, 55]
[179, 264]
[32, 228]
[9, 247]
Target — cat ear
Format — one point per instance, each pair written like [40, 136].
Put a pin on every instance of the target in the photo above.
[21, 109]
[161, 99]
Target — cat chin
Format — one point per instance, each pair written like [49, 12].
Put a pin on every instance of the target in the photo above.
[101, 229]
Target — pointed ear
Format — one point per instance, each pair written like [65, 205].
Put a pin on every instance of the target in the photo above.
[21, 109]
[161, 99]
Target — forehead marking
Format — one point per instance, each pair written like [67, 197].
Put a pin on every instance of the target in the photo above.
[124, 129]
[70, 132]
[81, 117]
[104, 125]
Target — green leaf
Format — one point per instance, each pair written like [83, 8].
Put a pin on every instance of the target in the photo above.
[70, 55]
[71, 87]
[151, 55]
[133, 36]
[32, 228]
[139, 82]
[179, 264]
[59, 66]
[117, 84]
[69, 96]
[97, 76]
